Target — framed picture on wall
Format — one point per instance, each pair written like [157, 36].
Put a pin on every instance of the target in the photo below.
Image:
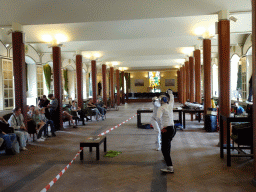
[139, 82]
[169, 82]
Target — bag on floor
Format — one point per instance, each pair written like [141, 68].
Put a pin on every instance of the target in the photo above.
[15, 146]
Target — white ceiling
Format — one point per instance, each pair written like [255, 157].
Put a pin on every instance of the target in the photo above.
[138, 33]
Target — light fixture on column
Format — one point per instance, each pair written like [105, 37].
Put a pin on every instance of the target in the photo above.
[92, 55]
[54, 40]
[123, 68]
[188, 51]
[205, 33]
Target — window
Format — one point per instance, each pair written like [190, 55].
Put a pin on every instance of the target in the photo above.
[90, 86]
[154, 81]
[234, 74]
[215, 80]
[40, 82]
[75, 82]
[8, 84]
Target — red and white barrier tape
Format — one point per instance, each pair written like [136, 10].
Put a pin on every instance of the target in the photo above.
[111, 129]
[63, 171]
[60, 174]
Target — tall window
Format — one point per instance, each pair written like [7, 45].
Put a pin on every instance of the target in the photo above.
[40, 82]
[90, 85]
[154, 81]
[234, 74]
[75, 83]
[215, 80]
[8, 84]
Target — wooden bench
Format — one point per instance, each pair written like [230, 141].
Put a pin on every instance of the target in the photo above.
[93, 141]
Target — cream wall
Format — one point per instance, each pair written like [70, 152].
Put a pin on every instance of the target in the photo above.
[172, 74]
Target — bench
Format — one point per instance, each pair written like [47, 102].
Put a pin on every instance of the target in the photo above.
[93, 141]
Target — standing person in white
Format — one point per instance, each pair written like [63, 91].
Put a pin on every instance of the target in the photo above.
[168, 131]
[16, 121]
[155, 123]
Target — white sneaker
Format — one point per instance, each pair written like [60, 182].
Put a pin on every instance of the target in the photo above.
[40, 140]
[42, 137]
[158, 148]
[169, 169]
[24, 149]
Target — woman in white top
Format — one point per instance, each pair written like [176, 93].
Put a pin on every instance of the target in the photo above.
[168, 131]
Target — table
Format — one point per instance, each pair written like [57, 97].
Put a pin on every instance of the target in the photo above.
[191, 111]
[93, 141]
[150, 110]
[228, 120]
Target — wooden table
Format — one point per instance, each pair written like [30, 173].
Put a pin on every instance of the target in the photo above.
[93, 141]
[191, 111]
[150, 110]
[228, 120]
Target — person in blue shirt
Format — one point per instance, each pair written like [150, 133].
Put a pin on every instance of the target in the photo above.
[239, 109]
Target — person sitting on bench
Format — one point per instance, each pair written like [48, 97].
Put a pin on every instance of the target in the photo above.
[9, 138]
[16, 121]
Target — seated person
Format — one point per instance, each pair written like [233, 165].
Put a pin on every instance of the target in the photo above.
[40, 126]
[95, 109]
[16, 121]
[47, 122]
[8, 138]
[239, 109]
[43, 103]
[30, 112]
[66, 115]
[101, 107]
[78, 110]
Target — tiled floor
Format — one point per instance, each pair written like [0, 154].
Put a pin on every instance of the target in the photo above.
[195, 155]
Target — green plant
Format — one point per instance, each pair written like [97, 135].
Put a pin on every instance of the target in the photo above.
[47, 75]
[65, 75]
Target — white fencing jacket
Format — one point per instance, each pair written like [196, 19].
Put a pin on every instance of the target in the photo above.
[165, 113]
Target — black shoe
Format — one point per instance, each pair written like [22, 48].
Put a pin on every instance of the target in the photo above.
[53, 135]
[74, 126]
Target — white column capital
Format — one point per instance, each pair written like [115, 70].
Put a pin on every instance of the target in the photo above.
[223, 15]
[78, 52]
[16, 27]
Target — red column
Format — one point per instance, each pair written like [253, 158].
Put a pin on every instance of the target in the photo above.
[224, 70]
[79, 78]
[192, 79]
[94, 80]
[104, 83]
[178, 80]
[207, 74]
[56, 52]
[184, 84]
[197, 76]
[117, 87]
[187, 80]
[127, 90]
[254, 85]
[122, 80]
[181, 85]
[111, 74]
[19, 72]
